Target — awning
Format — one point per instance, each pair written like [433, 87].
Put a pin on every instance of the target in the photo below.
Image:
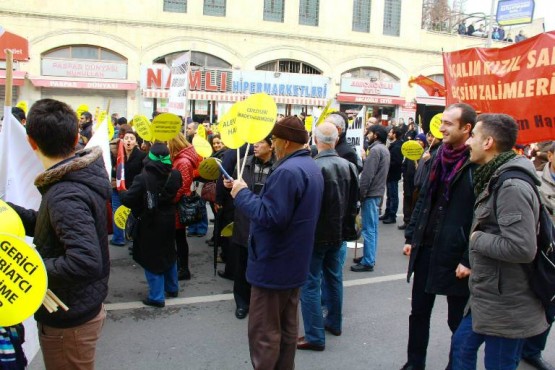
[431, 100]
[232, 97]
[72, 83]
[370, 99]
[18, 77]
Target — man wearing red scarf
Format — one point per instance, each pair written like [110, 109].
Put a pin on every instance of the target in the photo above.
[437, 235]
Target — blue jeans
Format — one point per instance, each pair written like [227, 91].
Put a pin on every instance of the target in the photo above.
[370, 229]
[534, 346]
[118, 235]
[160, 283]
[342, 258]
[201, 227]
[392, 201]
[500, 353]
[326, 261]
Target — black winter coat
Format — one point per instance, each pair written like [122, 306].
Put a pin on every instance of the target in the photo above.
[396, 161]
[450, 246]
[133, 166]
[336, 221]
[154, 246]
[70, 233]
[346, 151]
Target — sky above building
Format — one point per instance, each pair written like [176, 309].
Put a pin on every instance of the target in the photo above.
[543, 8]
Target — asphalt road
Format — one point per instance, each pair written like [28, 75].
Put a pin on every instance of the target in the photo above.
[198, 330]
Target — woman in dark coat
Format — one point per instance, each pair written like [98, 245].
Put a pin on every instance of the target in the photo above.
[151, 199]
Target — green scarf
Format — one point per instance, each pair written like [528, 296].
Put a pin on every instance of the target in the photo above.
[484, 173]
[159, 158]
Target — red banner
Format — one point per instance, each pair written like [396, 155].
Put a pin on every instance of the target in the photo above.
[518, 80]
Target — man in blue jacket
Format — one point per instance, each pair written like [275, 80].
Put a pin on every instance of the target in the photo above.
[283, 222]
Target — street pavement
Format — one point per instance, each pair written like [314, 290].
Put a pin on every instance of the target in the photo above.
[198, 330]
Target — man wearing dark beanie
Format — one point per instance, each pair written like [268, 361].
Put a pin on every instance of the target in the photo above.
[283, 222]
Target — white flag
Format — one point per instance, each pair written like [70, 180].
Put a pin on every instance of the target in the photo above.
[101, 139]
[19, 165]
[355, 131]
[179, 87]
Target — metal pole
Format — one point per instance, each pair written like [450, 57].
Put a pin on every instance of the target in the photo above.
[490, 26]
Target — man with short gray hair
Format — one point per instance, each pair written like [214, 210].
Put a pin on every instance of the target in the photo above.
[336, 223]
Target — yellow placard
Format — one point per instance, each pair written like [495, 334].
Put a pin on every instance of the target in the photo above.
[228, 128]
[23, 280]
[412, 150]
[10, 223]
[142, 126]
[256, 117]
[120, 216]
[208, 169]
[227, 231]
[201, 131]
[434, 126]
[202, 147]
[165, 126]
[80, 109]
[308, 123]
[111, 130]
[325, 112]
[23, 105]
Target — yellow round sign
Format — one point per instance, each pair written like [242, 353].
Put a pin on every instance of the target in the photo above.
[80, 109]
[227, 231]
[434, 126]
[202, 147]
[209, 169]
[165, 126]
[256, 117]
[23, 105]
[23, 280]
[142, 126]
[228, 128]
[201, 131]
[120, 216]
[10, 223]
[412, 150]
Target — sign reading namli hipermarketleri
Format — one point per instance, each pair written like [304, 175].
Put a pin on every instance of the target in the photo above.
[518, 80]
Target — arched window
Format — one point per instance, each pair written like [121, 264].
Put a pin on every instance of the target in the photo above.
[88, 52]
[198, 59]
[289, 66]
[374, 74]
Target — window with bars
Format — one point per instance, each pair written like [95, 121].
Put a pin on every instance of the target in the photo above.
[214, 7]
[392, 18]
[308, 12]
[361, 15]
[289, 66]
[88, 52]
[175, 6]
[273, 10]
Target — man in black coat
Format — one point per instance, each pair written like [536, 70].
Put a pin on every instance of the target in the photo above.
[394, 175]
[437, 235]
[70, 233]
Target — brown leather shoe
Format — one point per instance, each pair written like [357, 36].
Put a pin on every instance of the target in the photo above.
[304, 345]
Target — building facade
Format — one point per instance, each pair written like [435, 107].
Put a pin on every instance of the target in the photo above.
[303, 52]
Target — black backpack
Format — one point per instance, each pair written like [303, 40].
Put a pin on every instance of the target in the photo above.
[542, 278]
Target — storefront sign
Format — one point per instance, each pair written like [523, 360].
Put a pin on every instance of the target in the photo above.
[83, 84]
[517, 80]
[367, 87]
[17, 44]
[282, 84]
[158, 76]
[82, 68]
[369, 99]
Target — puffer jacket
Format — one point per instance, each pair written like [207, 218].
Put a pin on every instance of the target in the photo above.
[502, 246]
[186, 161]
[336, 222]
[70, 233]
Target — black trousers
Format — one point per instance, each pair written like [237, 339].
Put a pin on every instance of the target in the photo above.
[241, 287]
[422, 305]
[182, 249]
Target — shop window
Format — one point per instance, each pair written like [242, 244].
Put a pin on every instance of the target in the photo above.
[175, 6]
[289, 66]
[374, 74]
[273, 10]
[439, 78]
[308, 12]
[88, 52]
[392, 18]
[214, 7]
[361, 15]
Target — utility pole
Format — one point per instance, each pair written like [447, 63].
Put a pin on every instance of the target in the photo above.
[490, 26]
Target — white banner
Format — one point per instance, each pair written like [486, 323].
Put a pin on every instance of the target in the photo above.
[355, 132]
[179, 86]
[100, 138]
